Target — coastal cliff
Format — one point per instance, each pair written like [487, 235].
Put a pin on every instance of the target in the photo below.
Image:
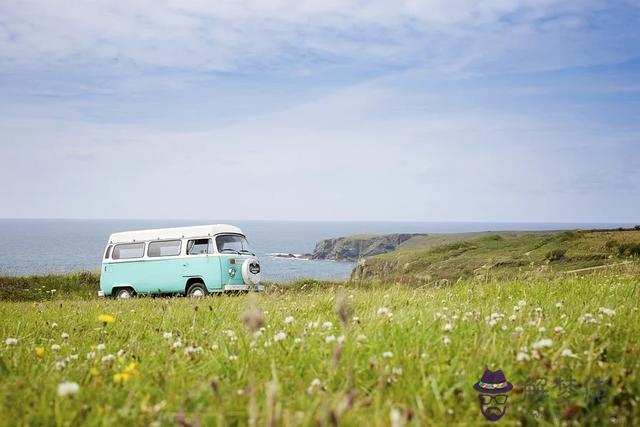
[353, 248]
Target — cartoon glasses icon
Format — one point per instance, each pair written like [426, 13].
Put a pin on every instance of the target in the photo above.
[499, 399]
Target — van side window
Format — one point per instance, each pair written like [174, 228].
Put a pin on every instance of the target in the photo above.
[128, 251]
[107, 254]
[166, 248]
[199, 246]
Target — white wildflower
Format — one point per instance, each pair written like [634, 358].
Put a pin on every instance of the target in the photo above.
[91, 355]
[519, 329]
[567, 353]
[387, 355]
[11, 341]
[330, 339]
[109, 358]
[558, 305]
[448, 327]
[233, 357]
[297, 340]
[446, 340]
[396, 418]
[280, 336]
[54, 325]
[543, 343]
[60, 365]
[542, 329]
[167, 335]
[327, 326]
[68, 389]
[101, 347]
[361, 337]
[340, 339]
[558, 330]
[315, 383]
[55, 347]
[384, 312]
[64, 336]
[288, 320]
[523, 357]
[189, 350]
[512, 318]
[607, 311]
[176, 344]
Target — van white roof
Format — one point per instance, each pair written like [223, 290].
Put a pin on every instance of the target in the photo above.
[173, 233]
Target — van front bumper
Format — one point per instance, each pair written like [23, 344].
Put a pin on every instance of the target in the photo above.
[243, 288]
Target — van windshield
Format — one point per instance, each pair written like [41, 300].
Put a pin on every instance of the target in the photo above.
[233, 244]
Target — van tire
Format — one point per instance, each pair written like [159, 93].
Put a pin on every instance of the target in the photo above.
[197, 290]
[123, 293]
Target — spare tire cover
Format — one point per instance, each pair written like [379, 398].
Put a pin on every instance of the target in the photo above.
[251, 271]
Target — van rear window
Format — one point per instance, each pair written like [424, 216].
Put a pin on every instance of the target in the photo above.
[128, 251]
[167, 248]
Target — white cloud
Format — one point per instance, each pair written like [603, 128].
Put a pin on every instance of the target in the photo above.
[298, 34]
[339, 157]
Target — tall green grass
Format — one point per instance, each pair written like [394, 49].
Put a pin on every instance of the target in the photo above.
[48, 287]
[393, 361]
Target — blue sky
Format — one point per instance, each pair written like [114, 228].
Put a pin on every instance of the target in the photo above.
[335, 110]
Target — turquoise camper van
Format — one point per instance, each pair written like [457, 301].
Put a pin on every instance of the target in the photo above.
[192, 261]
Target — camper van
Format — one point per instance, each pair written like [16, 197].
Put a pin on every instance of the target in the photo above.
[192, 261]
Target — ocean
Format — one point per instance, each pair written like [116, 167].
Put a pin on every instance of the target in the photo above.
[41, 246]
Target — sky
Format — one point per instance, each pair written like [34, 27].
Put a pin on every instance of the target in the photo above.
[448, 110]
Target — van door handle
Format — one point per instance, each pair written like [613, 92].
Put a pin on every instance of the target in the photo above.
[185, 264]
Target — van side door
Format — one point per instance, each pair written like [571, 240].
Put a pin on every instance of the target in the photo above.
[201, 262]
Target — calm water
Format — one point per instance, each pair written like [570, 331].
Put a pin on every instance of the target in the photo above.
[48, 246]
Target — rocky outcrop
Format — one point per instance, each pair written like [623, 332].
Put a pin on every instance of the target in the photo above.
[356, 247]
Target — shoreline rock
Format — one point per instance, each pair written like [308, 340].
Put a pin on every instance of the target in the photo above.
[353, 248]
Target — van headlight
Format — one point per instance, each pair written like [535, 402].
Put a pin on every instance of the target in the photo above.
[232, 272]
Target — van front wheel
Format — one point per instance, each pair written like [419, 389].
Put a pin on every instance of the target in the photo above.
[123, 293]
[197, 290]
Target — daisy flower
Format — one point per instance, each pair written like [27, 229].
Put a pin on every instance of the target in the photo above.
[543, 343]
[68, 389]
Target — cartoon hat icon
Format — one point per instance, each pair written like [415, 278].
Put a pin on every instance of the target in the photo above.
[493, 383]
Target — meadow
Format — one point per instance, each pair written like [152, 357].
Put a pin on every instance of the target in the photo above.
[353, 353]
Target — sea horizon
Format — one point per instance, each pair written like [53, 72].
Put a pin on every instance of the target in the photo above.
[69, 245]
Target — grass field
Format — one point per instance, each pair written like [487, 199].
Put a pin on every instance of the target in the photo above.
[500, 255]
[352, 354]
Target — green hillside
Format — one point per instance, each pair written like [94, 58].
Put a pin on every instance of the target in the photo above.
[503, 254]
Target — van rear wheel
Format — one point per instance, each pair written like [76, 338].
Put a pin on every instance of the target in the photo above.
[123, 293]
[197, 290]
